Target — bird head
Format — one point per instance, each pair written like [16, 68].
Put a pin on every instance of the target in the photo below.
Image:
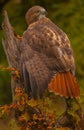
[35, 13]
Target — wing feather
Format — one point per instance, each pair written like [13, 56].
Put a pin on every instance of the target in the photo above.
[50, 41]
[34, 68]
[45, 51]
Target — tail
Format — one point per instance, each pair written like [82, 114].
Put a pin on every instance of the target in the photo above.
[65, 84]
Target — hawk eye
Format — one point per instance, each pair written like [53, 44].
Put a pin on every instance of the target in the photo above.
[38, 11]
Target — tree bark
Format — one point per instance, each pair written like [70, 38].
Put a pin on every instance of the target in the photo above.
[11, 46]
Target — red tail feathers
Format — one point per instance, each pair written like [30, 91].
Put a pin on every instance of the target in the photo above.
[64, 84]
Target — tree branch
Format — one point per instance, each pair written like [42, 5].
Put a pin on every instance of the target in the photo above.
[11, 46]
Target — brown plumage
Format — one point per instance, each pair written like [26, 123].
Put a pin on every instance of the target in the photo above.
[47, 59]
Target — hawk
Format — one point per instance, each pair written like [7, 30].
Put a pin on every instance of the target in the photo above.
[47, 60]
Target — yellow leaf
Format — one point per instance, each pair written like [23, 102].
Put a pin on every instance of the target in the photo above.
[63, 128]
[24, 117]
[32, 102]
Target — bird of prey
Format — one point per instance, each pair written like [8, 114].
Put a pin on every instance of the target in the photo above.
[47, 60]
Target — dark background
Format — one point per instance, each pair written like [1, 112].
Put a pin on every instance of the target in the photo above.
[67, 14]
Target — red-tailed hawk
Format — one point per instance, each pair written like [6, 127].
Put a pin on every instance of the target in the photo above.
[47, 57]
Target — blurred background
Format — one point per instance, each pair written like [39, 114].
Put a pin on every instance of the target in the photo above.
[67, 14]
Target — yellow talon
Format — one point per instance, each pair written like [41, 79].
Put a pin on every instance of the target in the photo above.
[18, 36]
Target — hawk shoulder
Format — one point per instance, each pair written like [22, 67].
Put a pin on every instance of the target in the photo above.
[47, 39]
